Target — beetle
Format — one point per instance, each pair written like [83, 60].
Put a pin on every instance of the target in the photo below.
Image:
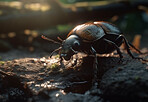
[94, 38]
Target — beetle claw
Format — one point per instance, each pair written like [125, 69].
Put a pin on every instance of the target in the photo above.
[63, 55]
[120, 60]
[139, 58]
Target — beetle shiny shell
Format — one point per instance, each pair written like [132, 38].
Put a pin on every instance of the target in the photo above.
[92, 38]
[89, 32]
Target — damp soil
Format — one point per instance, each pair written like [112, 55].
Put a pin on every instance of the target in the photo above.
[34, 77]
[28, 75]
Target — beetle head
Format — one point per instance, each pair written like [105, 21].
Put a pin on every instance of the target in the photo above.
[70, 46]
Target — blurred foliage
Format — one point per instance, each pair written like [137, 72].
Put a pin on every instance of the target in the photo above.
[0, 58]
[8, 0]
[131, 24]
[2, 62]
[4, 45]
[74, 1]
[8, 7]
[64, 28]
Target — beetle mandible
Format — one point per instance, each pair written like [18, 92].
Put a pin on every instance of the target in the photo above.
[94, 38]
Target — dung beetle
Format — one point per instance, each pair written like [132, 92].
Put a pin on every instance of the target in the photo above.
[93, 38]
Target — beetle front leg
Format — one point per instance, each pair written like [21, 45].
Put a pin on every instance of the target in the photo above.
[95, 66]
[75, 61]
[61, 62]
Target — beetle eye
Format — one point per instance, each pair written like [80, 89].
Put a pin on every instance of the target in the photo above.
[76, 43]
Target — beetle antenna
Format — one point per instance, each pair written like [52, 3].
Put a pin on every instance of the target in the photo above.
[55, 51]
[60, 39]
[44, 37]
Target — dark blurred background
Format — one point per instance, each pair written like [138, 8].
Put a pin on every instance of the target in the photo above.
[22, 22]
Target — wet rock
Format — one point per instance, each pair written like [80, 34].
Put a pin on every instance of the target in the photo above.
[12, 90]
[58, 95]
[126, 83]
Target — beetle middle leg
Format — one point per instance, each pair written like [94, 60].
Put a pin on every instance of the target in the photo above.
[95, 66]
[117, 48]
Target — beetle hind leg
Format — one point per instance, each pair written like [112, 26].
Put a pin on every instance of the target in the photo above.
[127, 44]
[135, 48]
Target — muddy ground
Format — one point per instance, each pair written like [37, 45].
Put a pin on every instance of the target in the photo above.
[27, 76]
